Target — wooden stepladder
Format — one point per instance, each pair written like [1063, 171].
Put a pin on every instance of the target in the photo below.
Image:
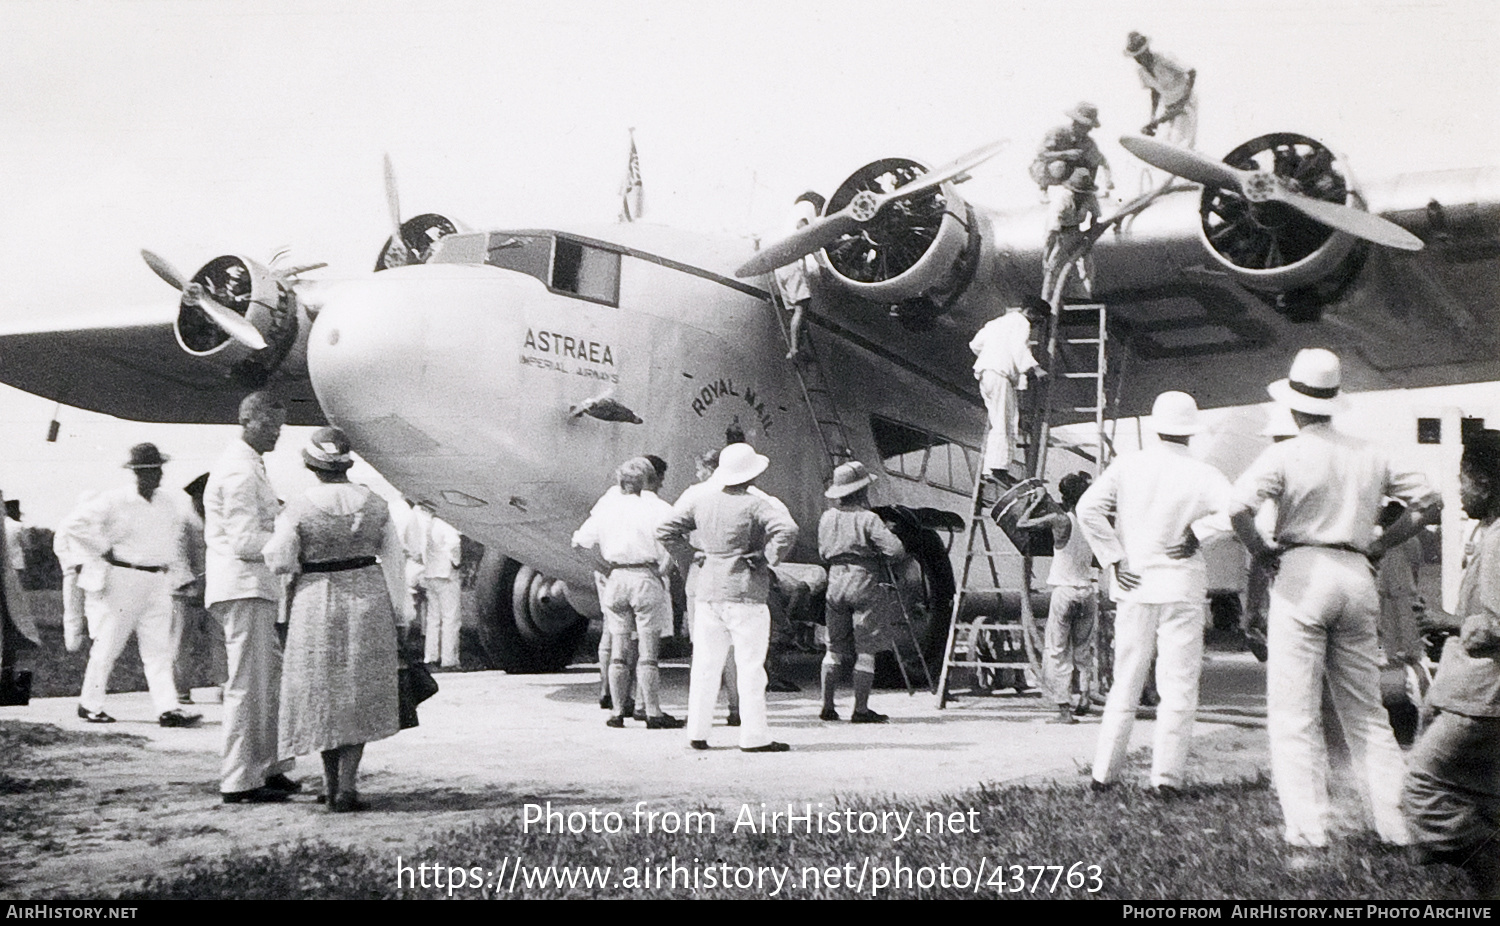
[988, 644]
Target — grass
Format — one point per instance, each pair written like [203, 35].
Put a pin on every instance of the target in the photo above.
[1216, 842]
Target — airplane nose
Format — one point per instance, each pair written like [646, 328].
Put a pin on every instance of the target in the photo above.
[391, 344]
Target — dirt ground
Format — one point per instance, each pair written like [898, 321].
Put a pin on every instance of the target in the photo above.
[88, 810]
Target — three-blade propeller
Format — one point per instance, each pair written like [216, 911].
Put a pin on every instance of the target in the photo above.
[231, 322]
[865, 206]
[1263, 186]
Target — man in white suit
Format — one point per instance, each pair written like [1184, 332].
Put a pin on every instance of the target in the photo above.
[239, 515]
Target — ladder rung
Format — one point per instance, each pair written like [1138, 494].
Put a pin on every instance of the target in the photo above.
[1080, 375]
[1085, 408]
[1081, 340]
[1082, 307]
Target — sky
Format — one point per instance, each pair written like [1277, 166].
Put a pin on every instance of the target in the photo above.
[202, 128]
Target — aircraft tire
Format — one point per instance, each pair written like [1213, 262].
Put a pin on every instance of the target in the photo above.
[513, 635]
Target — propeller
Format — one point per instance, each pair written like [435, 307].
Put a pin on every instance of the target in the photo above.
[232, 323]
[1263, 186]
[865, 206]
[398, 256]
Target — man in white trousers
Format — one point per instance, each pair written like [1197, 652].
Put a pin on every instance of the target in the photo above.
[1163, 503]
[127, 539]
[240, 509]
[1002, 352]
[1329, 490]
[437, 548]
[742, 535]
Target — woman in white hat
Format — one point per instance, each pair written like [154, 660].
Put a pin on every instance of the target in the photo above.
[856, 544]
[338, 683]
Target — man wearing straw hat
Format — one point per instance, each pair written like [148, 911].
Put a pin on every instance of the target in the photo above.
[742, 535]
[128, 539]
[1329, 491]
[1163, 502]
[856, 545]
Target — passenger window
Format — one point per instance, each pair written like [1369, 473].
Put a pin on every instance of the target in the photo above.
[902, 449]
[916, 454]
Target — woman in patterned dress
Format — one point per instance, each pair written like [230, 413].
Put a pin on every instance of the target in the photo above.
[338, 683]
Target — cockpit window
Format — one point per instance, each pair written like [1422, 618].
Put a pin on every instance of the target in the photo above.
[562, 264]
[590, 272]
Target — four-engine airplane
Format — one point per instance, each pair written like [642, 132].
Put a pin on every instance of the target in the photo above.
[502, 375]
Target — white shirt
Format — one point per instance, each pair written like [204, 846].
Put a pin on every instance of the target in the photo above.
[1003, 346]
[1073, 562]
[434, 544]
[1167, 78]
[13, 548]
[239, 516]
[1155, 496]
[1328, 487]
[136, 531]
[624, 528]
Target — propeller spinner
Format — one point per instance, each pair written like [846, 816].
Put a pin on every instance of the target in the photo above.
[865, 206]
[231, 322]
[1258, 186]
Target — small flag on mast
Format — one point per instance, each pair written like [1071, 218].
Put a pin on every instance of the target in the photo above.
[632, 192]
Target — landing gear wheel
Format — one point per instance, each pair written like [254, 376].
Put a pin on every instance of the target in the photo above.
[525, 625]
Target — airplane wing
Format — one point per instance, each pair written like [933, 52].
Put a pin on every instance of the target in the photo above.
[1182, 316]
[130, 365]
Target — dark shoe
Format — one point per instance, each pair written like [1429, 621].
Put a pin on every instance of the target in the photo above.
[260, 795]
[618, 722]
[776, 683]
[628, 710]
[184, 698]
[94, 716]
[769, 747]
[734, 719]
[665, 721]
[828, 713]
[1083, 710]
[606, 703]
[699, 744]
[282, 783]
[1099, 787]
[347, 803]
[178, 718]
[867, 717]
[1168, 792]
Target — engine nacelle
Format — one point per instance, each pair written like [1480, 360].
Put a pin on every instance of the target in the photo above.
[266, 301]
[1271, 248]
[922, 249]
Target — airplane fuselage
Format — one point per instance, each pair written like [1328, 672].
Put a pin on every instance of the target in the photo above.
[459, 381]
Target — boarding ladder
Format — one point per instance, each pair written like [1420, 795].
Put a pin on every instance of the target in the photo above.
[815, 392]
[837, 450]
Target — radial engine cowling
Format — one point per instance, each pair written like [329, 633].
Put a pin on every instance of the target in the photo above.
[919, 250]
[263, 298]
[1271, 248]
